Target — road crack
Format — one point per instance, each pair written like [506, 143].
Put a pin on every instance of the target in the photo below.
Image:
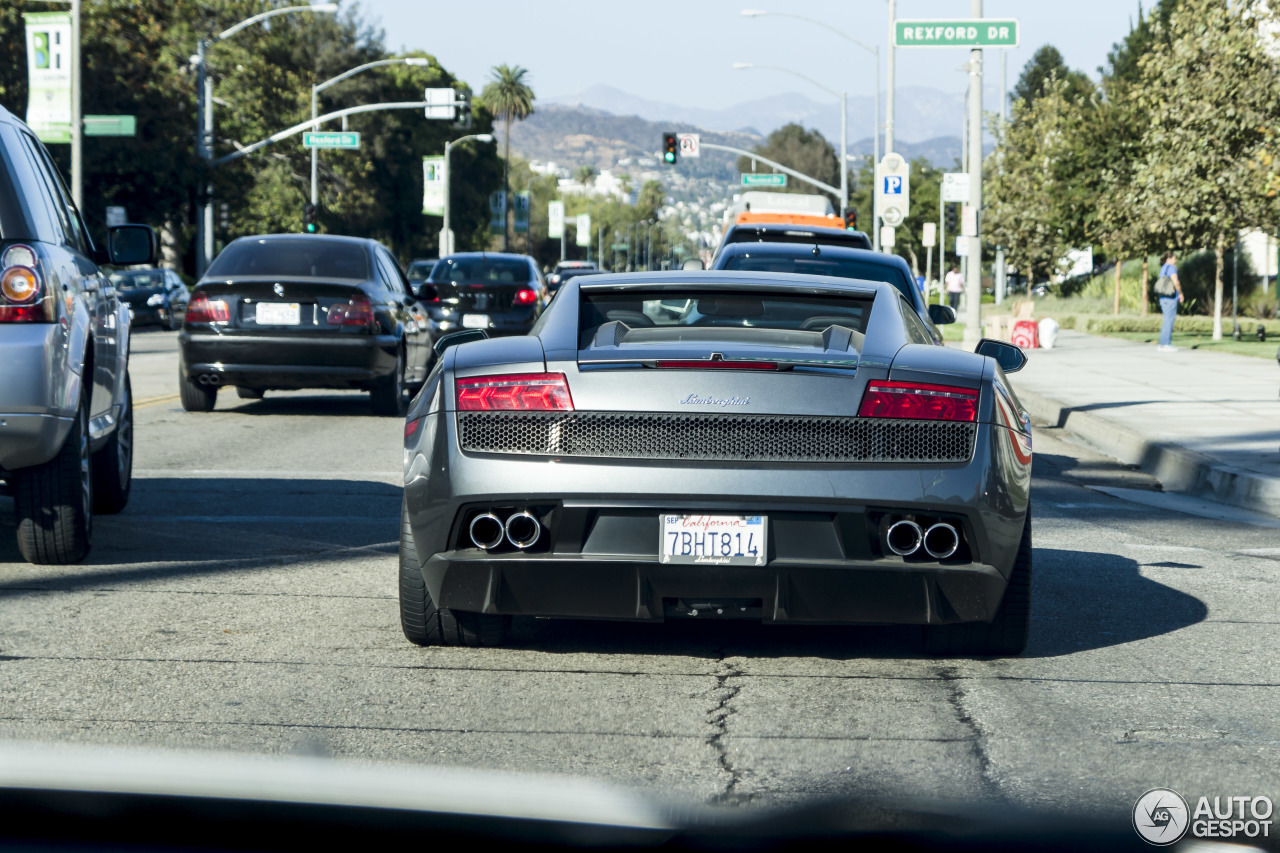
[725, 691]
[953, 682]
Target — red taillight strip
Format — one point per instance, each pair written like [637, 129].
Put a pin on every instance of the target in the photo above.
[701, 364]
[202, 309]
[918, 401]
[530, 392]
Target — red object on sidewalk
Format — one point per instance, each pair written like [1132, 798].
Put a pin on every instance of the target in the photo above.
[1026, 334]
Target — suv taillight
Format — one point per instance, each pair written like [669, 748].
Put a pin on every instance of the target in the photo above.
[357, 312]
[21, 294]
[524, 392]
[202, 309]
[918, 401]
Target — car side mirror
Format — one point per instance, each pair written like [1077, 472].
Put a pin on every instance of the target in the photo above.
[427, 293]
[942, 314]
[131, 244]
[693, 264]
[465, 336]
[1010, 358]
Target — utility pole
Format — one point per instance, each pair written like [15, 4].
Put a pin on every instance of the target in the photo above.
[888, 121]
[1001, 273]
[973, 278]
[77, 120]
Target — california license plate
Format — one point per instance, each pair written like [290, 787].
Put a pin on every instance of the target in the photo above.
[278, 314]
[714, 540]
[475, 321]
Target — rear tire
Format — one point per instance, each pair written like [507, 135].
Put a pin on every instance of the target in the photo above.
[1005, 635]
[423, 623]
[249, 393]
[113, 464]
[54, 501]
[196, 397]
[386, 398]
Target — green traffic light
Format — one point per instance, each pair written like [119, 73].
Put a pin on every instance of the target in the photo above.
[670, 157]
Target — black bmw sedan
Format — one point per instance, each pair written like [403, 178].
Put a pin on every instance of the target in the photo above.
[504, 294]
[289, 311]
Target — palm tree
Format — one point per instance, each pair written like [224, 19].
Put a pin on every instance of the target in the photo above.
[585, 175]
[508, 97]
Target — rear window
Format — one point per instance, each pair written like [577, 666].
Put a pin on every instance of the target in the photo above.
[481, 271]
[840, 238]
[725, 309]
[818, 265]
[419, 270]
[305, 257]
[127, 281]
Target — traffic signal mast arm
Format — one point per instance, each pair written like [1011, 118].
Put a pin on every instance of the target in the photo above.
[781, 168]
[315, 123]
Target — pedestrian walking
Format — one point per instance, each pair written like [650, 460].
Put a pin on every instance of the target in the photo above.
[1169, 290]
[955, 287]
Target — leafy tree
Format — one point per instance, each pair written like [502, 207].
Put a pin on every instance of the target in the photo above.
[585, 174]
[1047, 65]
[1122, 60]
[1210, 92]
[806, 151]
[508, 97]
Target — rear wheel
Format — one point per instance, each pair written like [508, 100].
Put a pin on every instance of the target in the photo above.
[427, 625]
[113, 464]
[196, 397]
[1006, 634]
[387, 396]
[249, 393]
[54, 501]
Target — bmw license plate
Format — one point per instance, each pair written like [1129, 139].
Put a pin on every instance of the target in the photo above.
[475, 321]
[278, 314]
[714, 540]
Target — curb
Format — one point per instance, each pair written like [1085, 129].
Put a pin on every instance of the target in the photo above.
[1177, 468]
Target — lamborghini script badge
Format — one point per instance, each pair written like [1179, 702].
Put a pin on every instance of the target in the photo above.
[695, 400]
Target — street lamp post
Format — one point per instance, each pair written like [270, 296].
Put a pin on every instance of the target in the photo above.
[446, 240]
[844, 125]
[875, 134]
[204, 121]
[320, 87]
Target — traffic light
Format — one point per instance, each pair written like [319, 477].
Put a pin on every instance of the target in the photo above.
[462, 114]
[950, 218]
[670, 148]
[309, 223]
[851, 219]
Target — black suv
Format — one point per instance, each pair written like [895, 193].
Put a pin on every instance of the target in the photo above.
[66, 414]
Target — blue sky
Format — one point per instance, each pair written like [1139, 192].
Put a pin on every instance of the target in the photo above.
[682, 52]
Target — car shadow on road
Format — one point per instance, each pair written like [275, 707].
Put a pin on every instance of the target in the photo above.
[324, 405]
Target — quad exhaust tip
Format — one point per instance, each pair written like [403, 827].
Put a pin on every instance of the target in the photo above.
[904, 538]
[523, 529]
[486, 531]
[941, 541]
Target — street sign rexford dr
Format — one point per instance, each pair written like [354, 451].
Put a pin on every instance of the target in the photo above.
[765, 180]
[957, 32]
[338, 139]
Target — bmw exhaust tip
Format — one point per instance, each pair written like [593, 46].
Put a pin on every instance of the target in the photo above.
[523, 529]
[486, 531]
[904, 538]
[941, 541]
[209, 379]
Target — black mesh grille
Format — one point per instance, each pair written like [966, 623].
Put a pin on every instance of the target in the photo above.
[763, 438]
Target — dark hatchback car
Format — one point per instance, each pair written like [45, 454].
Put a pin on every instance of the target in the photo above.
[155, 297]
[557, 280]
[839, 262]
[290, 311]
[757, 232]
[420, 269]
[503, 294]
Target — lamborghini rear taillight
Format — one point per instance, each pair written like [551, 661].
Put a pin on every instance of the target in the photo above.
[918, 401]
[202, 309]
[525, 392]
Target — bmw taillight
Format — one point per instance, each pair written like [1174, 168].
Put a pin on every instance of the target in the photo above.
[918, 401]
[526, 296]
[202, 309]
[21, 289]
[357, 312]
[523, 392]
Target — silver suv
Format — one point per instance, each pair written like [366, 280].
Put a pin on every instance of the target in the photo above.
[66, 414]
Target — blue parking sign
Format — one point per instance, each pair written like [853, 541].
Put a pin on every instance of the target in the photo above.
[893, 185]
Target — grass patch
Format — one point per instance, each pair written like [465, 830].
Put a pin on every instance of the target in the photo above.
[1189, 340]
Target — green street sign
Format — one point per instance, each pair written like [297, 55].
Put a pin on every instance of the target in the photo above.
[621, 247]
[753, 180]
[110, 125]
[344, 139]
[957, 32]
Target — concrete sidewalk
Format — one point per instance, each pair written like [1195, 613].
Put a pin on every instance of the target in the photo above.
[1203, 423]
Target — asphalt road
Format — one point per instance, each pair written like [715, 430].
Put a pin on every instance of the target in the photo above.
[245, 601]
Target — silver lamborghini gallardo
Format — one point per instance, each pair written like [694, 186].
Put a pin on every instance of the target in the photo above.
[783, 448]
